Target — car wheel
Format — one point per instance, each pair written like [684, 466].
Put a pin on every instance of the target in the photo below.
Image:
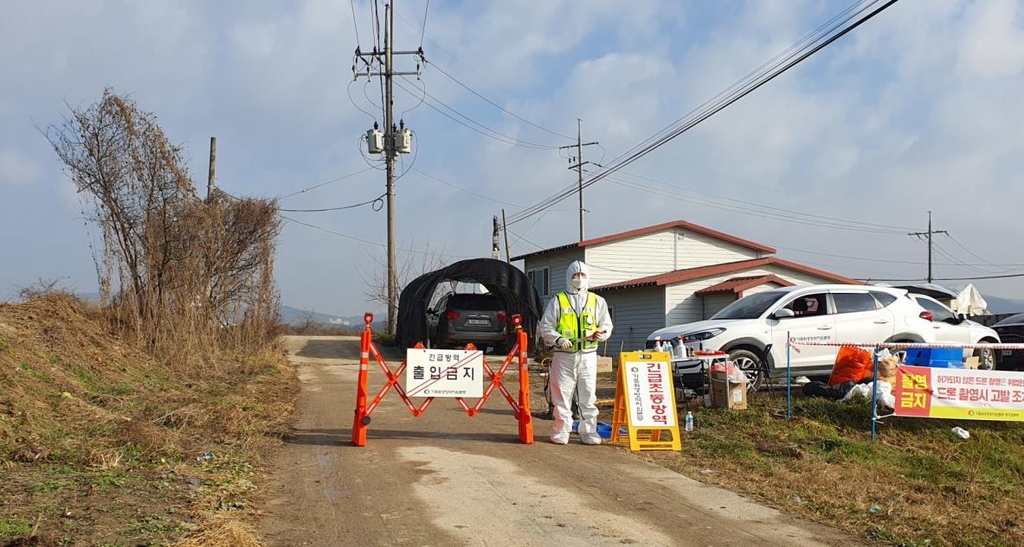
[986, 358]
[750, 364]
[901, 354]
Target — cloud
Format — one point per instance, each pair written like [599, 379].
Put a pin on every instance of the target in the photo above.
[992, 44]
[16, 170]
[913, 111]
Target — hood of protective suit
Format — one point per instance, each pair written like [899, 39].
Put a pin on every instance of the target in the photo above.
[577, 267]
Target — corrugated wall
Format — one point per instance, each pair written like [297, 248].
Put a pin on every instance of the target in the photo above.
[636, 313]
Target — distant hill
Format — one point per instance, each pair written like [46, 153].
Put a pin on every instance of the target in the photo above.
[999, 306]
[297, 316]
[289, 315]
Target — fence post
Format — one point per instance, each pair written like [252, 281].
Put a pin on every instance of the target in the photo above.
[789, 377]
[874, 394]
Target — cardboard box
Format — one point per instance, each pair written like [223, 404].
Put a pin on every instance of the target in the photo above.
[604, 364]
[727, 393]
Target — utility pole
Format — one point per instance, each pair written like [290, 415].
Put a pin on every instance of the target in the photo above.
[495, 249]
[579, 166]
[504, 228]
[929, 235]
[393, 141]
[213, 169]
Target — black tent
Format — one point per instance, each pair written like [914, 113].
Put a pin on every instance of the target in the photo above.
[500, 278]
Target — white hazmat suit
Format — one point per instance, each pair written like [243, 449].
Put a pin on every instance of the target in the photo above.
[573, 367]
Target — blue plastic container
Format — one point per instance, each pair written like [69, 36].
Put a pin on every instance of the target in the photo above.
[603, 429]
[936, 357]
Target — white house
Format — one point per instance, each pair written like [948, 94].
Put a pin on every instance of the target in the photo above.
[668, 274]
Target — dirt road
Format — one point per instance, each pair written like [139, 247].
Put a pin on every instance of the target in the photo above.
[447, 479]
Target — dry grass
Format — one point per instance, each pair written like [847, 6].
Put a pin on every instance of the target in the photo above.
[228, 533]
[917, 485]
[102, 444]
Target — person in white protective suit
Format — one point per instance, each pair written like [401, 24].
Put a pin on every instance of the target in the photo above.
[574, 323]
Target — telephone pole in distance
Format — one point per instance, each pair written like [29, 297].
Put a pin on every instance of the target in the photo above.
[929, 235]
[579, 166]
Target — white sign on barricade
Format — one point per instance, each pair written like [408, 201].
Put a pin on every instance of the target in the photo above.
[444, 373]
[649, 394]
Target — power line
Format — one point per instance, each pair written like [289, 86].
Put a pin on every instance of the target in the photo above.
[365, 241]
[339, 234]
[896, 229]
[322, 184]
[1002, 276]
[455, 57]
[752, 212]
[970, 252]
[354, 24]
[772, 63]
[446, 183]
[494, 104]
[423, 31]
[523, 238]
[957, 262]
[868, 259]
[375, 200]
[348, 90]
[767, 211]
[715, 108]
[484, 130]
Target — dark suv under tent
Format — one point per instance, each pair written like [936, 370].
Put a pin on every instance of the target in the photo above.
[501, 279]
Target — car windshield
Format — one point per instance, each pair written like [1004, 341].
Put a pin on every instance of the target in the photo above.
[1012, 320]
[475, 302]
[750, 307]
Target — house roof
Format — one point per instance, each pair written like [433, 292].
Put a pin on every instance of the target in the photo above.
[737, 285]
[650, 230]
[689, 274]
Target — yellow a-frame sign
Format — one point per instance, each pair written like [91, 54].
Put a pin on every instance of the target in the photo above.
[645, 402]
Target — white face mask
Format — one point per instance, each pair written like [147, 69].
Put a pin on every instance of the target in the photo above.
[579, 283]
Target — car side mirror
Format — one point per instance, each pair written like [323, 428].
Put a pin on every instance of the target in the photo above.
[961, 317]
[783, 312]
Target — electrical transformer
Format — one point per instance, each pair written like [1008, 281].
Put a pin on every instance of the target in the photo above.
[402, 141]
[374, 141]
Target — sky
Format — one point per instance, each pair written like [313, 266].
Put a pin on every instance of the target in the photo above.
[833, 163]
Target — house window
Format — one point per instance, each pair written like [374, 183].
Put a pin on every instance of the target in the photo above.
[539, 278]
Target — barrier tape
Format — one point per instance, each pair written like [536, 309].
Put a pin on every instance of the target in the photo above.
[903, 345]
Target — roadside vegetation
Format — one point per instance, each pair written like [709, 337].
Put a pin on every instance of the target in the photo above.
[917, 484]
[102, 444]
[143, 419]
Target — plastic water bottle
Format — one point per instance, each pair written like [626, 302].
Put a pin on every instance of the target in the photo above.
[689, 421]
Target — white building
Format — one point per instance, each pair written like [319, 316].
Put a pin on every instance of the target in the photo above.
[668, 274]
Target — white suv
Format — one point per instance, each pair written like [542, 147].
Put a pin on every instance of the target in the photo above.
[810, 313]
[955, 328]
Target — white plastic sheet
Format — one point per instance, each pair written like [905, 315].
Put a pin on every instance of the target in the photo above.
[970, 302]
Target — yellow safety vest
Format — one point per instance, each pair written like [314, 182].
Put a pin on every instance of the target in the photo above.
[572, 328]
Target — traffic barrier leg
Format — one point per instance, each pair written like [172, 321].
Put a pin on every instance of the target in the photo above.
[525, 417]
[362, 419]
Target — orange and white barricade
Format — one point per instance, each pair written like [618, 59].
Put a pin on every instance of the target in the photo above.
[446, 364]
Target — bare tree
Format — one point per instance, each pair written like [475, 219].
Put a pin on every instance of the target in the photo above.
[173, 266]
[412, 263]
